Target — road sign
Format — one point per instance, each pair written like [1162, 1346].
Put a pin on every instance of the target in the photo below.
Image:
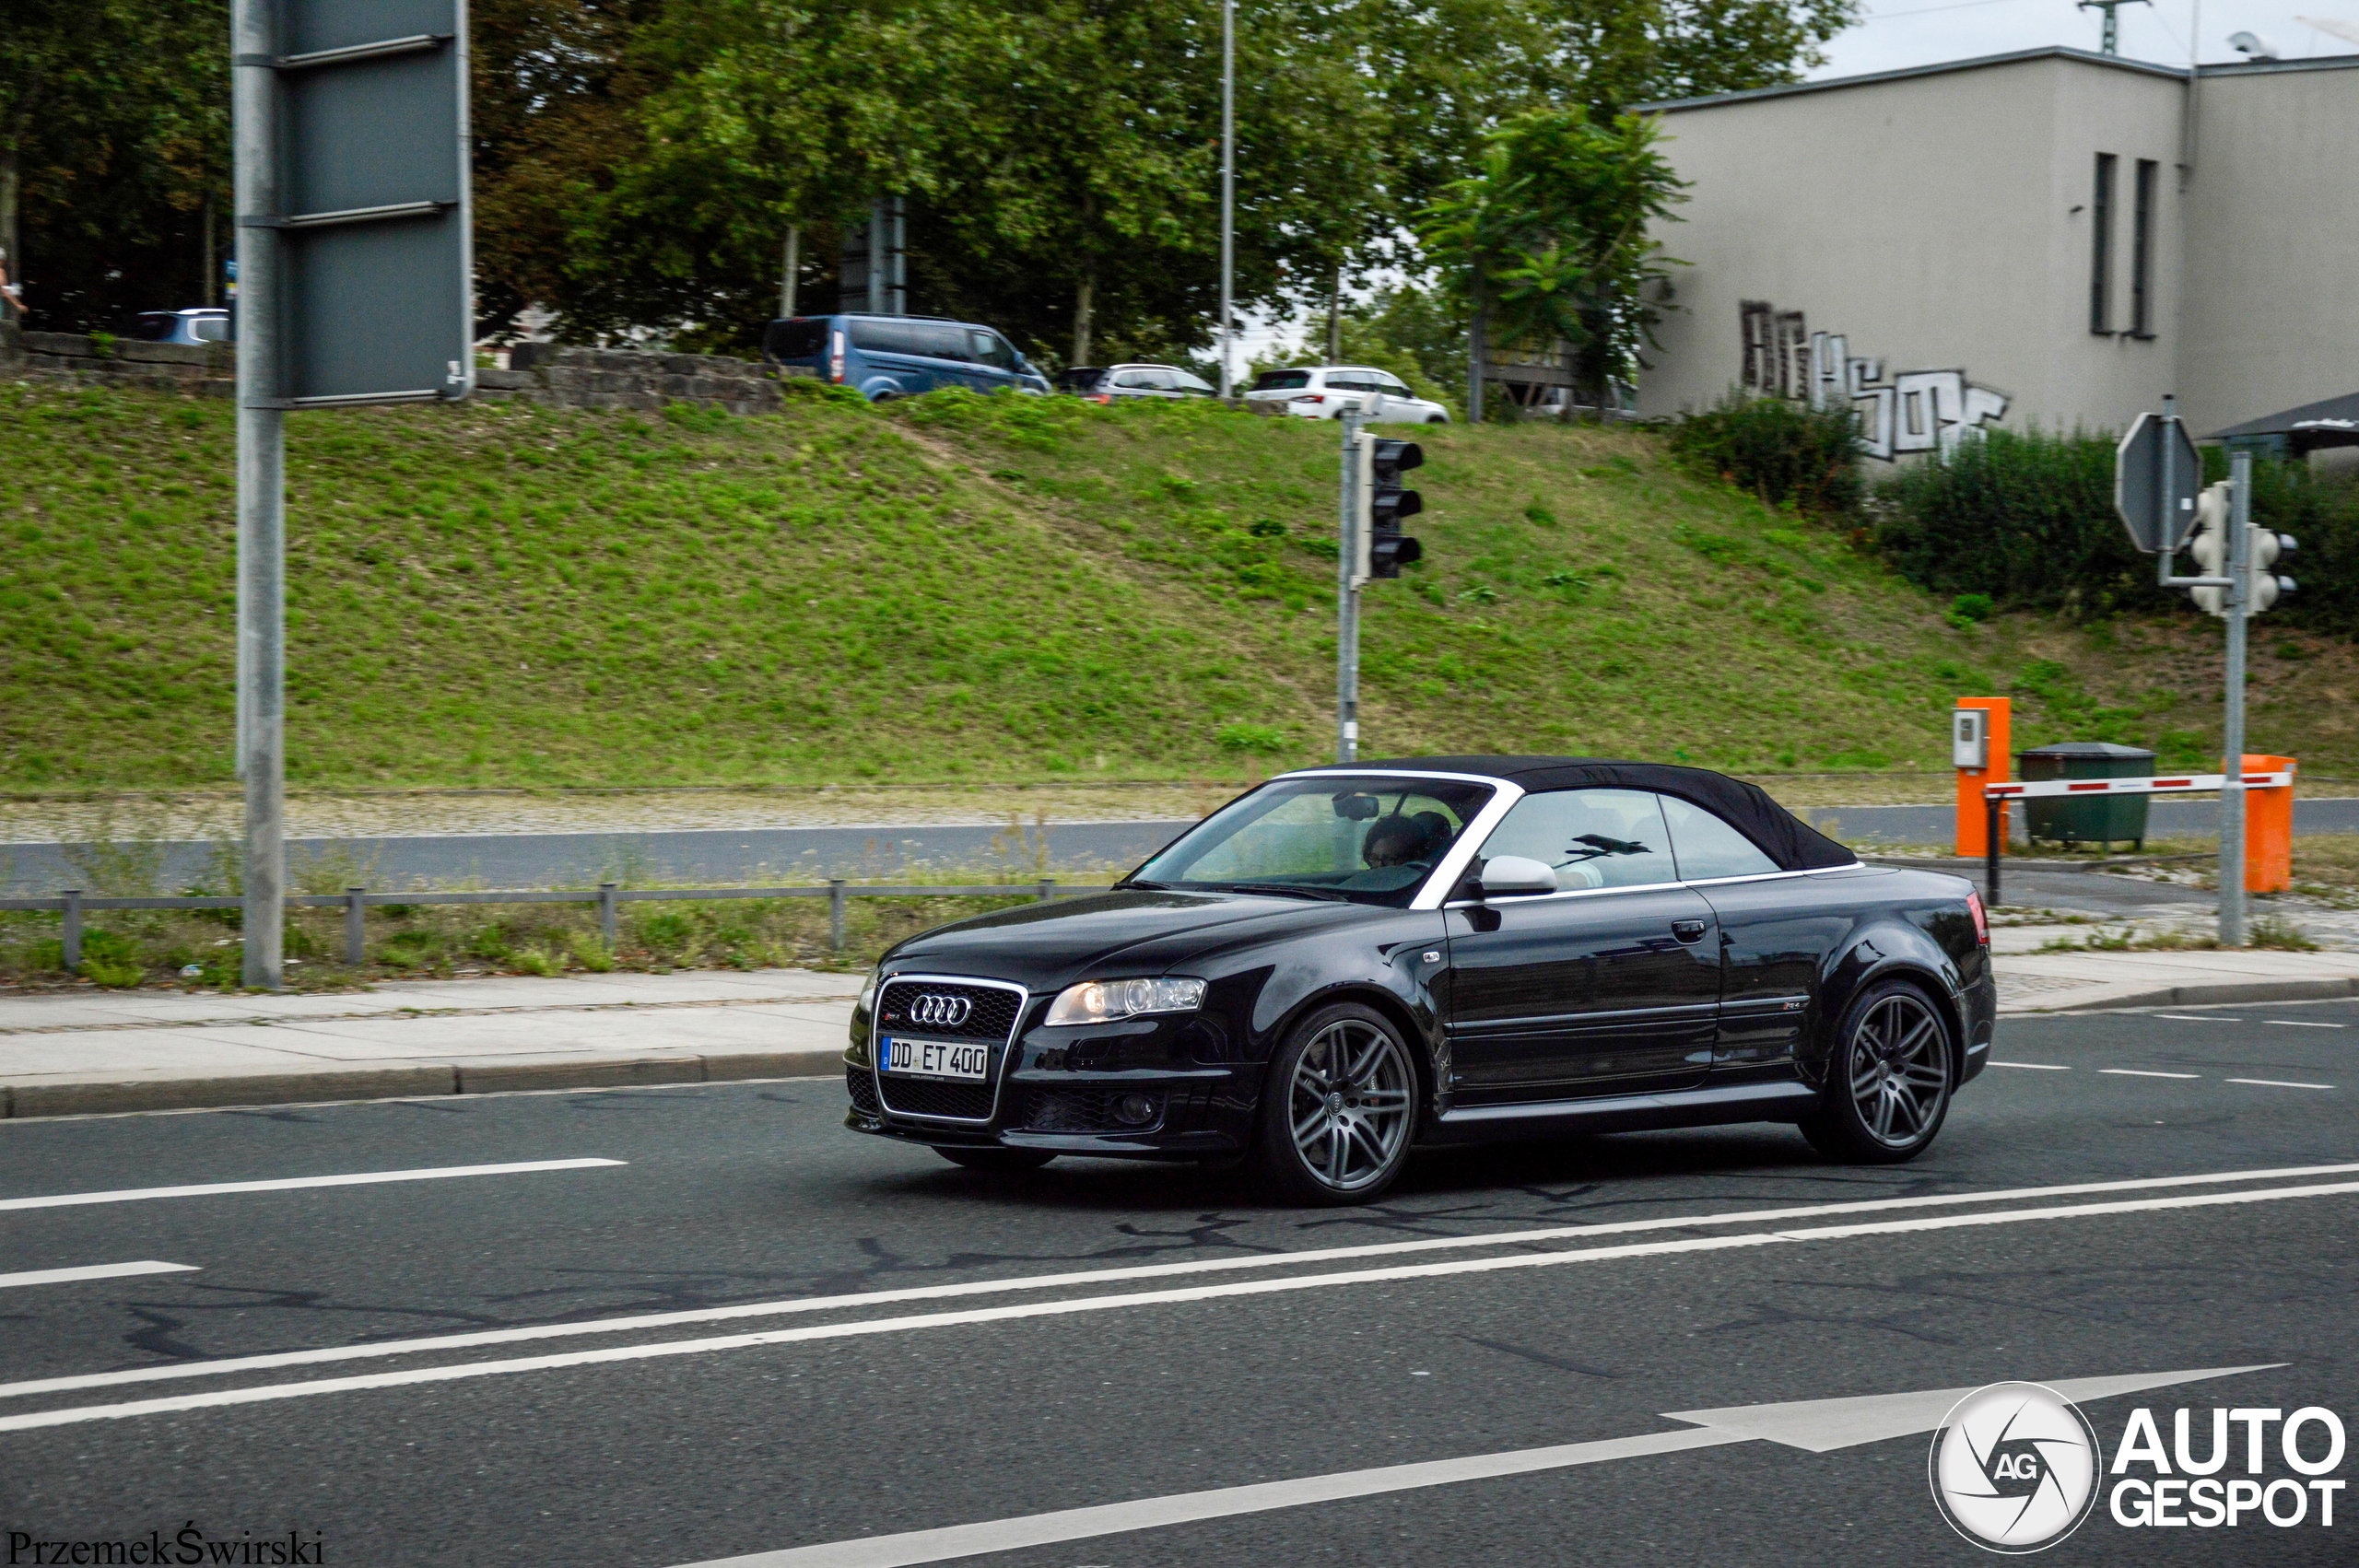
[2156, 472]
[371, 223]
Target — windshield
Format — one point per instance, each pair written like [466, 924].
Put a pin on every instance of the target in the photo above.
[1370, 840]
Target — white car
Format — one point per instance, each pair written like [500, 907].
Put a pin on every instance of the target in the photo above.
[1326, 392]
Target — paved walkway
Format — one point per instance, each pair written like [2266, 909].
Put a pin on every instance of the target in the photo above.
[95, 1051]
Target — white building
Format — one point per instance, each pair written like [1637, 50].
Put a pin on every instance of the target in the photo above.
[2052, 239]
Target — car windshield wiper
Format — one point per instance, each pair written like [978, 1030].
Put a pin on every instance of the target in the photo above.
[1291, 890]
[1141, 882]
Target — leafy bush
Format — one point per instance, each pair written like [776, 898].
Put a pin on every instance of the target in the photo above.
[2027, 520]
[1780, 450]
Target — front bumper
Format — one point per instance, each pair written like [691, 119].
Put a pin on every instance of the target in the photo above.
[1062, 1090]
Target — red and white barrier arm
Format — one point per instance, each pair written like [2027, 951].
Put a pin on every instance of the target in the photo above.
[2179, 784]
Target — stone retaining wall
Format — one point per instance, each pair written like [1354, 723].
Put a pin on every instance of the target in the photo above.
[541, 372]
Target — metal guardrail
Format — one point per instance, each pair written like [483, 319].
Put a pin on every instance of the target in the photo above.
[355, 901]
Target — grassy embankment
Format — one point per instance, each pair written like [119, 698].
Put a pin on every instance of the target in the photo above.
[964, 589]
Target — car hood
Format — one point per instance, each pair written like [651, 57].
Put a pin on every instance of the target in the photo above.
[1127, 931]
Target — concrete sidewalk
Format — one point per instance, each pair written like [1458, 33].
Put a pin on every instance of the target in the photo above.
[87, 1052]
[94, 1051]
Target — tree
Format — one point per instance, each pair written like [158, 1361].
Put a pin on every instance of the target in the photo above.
[1550, 239]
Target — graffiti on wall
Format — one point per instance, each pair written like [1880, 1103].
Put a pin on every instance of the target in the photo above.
[1916, 411]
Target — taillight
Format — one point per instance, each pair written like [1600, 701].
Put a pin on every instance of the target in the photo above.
[1101, 397]
[1981, 920]
[1309, 397]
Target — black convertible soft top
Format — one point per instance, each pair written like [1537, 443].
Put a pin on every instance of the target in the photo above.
[1783, 837]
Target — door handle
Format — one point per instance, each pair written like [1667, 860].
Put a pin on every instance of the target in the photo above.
[1688, 930]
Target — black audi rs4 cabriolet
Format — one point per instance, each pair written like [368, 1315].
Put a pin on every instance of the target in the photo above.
[1348, 962]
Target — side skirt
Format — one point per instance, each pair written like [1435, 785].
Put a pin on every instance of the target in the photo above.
[1624, 1113]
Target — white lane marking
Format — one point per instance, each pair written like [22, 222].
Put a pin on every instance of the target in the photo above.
[2134, 1072]
[1097, 1277]
[889, 1326]
[2279, 1084]
[2036, 1066]
[1814, 1426]
[2196, 1018]
[358, 1178]
[93, 1272]
[2302, 1024]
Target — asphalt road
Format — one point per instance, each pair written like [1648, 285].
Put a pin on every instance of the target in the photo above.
[1076, 850]
[680, 1442]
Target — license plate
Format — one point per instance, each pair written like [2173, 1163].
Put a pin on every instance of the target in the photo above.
[936, 1059]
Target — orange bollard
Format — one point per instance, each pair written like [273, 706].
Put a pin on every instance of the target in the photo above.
[2269, 828]
[1973, 823]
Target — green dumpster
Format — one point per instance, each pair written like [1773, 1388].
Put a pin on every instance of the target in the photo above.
[2093, 819]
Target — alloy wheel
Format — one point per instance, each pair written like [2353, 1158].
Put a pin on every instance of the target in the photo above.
[1349, 1104]
[1900, 1074]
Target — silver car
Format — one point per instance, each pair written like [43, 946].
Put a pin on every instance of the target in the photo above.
[1326, 392]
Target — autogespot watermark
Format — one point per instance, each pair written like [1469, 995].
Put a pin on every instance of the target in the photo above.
[2016, 1468]
[189, 1544]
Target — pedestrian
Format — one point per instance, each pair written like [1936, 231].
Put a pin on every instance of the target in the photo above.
[12, 298]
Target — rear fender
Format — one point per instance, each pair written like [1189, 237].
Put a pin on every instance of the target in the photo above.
[1885, 948]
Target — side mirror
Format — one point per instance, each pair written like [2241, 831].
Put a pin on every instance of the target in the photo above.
[1510, 877]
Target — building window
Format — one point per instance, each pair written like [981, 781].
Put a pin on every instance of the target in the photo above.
[2101, 248]
[2141, 252]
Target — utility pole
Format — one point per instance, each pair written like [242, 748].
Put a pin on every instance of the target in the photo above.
[262, 496]
[1347, 595]
[1228, 190]
[1335, 320]
[786, 271]
[2232, 786]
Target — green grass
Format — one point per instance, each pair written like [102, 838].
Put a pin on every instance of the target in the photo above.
[985, 590]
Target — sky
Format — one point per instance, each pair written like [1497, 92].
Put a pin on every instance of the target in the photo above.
[1898, 33]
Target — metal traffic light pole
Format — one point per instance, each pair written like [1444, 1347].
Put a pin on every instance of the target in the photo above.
[2232, 785]
[1347, 596]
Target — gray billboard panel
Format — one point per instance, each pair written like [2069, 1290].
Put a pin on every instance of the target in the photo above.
[374, 228]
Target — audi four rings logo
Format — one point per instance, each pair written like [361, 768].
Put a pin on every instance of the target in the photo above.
[937, 1011]
[2014, 1467]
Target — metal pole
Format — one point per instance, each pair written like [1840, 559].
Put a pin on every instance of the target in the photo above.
[1228, 190]
[1347, 600]
[835, 914]
[1991, 836]
[69, 932]
[607, 924]
[356, 928]
[2232, 786]
[262, 462]
[786, 273]
[1335, 321]
[1048, 890]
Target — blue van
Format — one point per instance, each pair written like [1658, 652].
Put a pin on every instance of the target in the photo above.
[900, 355]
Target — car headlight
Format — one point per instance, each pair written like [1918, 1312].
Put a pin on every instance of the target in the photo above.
[868, 991]
[1103, 1001]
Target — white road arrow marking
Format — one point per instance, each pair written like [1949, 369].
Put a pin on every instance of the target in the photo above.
[93, 1272]
[1817, 1425]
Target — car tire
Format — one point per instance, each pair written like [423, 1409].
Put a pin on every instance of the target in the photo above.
[1889, 1079]
[999, 1162]
[1438, 419]
[1339, 1107]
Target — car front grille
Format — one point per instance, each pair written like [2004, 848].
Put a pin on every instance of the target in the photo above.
[992, 1014]
[863, 1086]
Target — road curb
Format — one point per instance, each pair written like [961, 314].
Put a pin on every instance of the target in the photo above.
[2217, 992]
[29, 1100]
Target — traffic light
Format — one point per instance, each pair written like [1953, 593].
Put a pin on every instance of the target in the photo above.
[2209, 545]
[2262, 548]
[1384, 549]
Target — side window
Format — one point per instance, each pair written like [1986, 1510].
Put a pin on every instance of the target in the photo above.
[941, 343]
[1194, 385]
[210, 329]
[1705, 846]
[992, 349]
[1137, 381]
[1593, 837]
[1390, 384]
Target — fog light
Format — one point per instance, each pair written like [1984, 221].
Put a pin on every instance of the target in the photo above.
[1134, 1110]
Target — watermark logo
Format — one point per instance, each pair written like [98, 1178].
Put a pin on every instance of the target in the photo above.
[2014, 1467]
